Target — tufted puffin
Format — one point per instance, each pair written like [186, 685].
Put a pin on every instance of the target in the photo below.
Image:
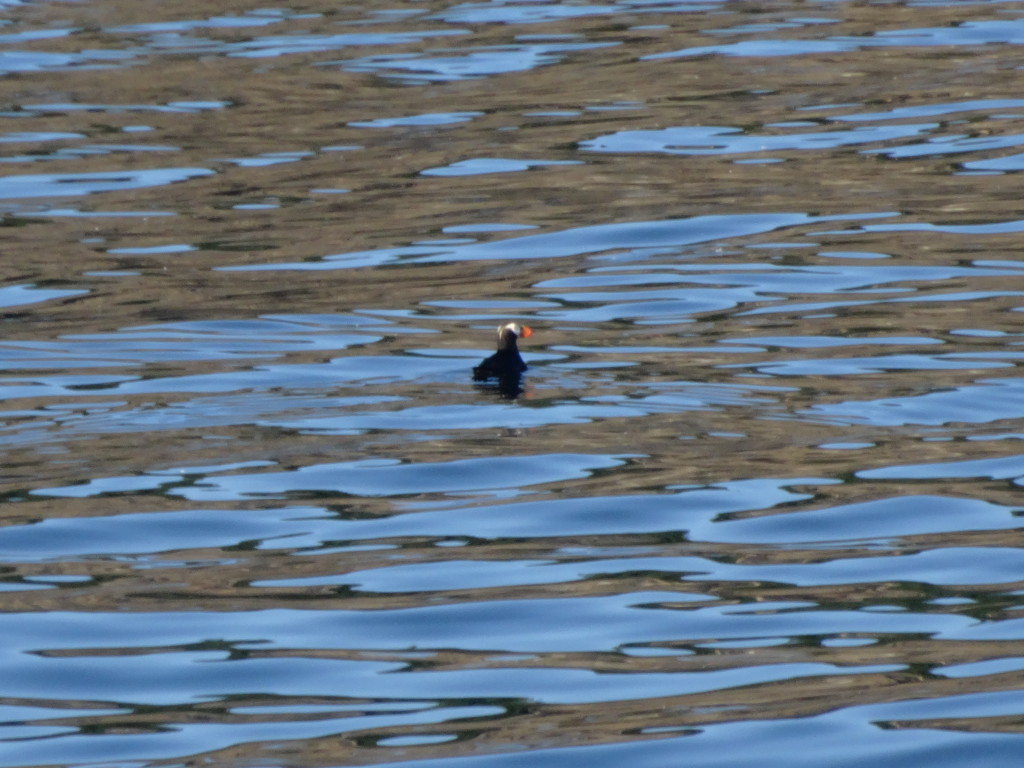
[506, 362]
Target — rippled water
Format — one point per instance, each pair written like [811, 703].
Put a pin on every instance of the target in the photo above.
[755, 502]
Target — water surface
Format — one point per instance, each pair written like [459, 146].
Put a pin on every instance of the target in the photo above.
[757, 494]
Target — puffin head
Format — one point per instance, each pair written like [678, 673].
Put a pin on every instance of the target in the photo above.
[519, 331]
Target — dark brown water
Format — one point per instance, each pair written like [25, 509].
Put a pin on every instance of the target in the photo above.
[755, 502]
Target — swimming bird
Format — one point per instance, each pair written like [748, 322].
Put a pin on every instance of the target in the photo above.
[506, 362]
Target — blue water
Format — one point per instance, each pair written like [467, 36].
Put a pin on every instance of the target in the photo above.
[755, 501]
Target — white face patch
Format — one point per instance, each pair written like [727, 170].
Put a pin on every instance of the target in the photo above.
[514, 327]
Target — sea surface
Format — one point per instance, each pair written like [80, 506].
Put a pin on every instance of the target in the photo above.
[756, 502]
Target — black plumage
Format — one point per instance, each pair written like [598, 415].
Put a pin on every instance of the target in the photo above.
[506, 363]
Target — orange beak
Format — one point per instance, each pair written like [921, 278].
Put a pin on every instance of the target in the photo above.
[526, 332]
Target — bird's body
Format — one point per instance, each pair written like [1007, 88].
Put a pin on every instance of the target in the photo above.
[506, 362]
